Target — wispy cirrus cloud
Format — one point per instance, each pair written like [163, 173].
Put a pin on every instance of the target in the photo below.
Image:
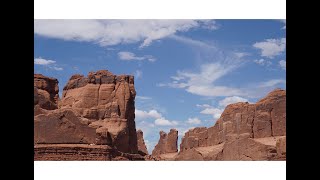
[113, 32]
[203, 82]
[129, 56]
[272, 83]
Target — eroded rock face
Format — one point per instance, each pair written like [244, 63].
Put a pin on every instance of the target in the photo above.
[97, 109]
[107, 101]
[62, 126]
[167, 143]
[45, 92]
[281, 146]
[247, 132]
[142, 148]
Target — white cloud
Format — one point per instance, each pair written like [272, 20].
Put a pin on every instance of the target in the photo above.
[192, 42]
[241, 54]
[176, 78]
[282, 64]
[41, 61]
[220, 63]
[230, 100]
[203, 105]
[154, 114]
[129, 56]
[164, 122]
[209, 24]
[271, 47]
[194, 120]
[48, 63]
[272, 83]
[113, 32]
[138, 74]
[215, 112]
[143, 97]
[209, 90]
[215, 64]
[147, 114]
[263, 62]
[202, 83]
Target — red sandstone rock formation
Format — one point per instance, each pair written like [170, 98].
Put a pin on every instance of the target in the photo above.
[167, 143]
[97, 109]
[107, 101]
[142, 149]
[94, 120]
[45, 92]
[243, 132]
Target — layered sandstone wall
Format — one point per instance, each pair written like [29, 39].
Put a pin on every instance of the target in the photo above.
[97, 109]
[81, 152]
[107, 102]
[243, 132]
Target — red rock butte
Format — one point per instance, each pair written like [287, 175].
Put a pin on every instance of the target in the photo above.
[167, 145]
[94, 112]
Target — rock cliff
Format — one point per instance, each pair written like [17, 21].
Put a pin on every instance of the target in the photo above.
[167, 144]
[243, 132]
[97, 110]
[142, 148]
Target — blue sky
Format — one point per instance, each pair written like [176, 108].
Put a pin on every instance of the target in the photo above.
[186, 71]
